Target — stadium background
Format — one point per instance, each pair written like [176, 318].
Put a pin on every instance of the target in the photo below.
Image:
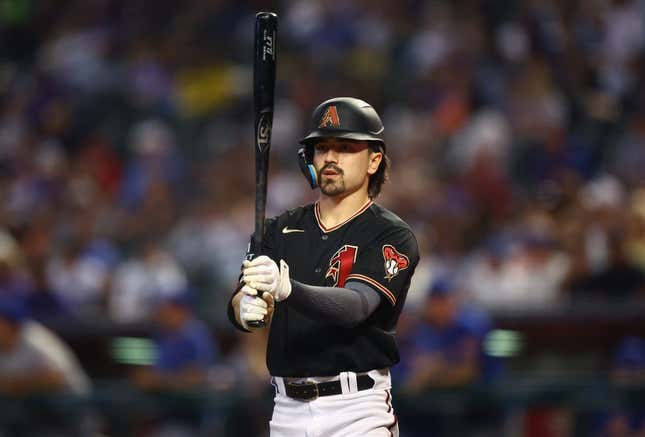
[517, 136]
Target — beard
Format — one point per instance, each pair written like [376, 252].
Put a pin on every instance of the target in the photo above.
[331, 186]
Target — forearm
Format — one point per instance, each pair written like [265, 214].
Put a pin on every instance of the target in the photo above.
[334, 305]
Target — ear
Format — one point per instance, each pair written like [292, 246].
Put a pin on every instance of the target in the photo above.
[375, 159]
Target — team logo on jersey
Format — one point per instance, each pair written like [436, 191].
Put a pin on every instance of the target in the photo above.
[341, 264]
[330, 118]
[395, 261]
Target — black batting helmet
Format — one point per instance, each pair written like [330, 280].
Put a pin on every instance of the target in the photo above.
[345, 117]
[341, 117]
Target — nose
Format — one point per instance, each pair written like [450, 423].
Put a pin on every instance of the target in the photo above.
[331, 155]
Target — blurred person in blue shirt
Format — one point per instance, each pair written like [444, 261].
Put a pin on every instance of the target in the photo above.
[43, 304]
[185, 348]
[186, 351]
[629, 361]
[627, 370]
[445, 348]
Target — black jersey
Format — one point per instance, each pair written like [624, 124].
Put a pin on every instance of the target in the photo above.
[373, 247]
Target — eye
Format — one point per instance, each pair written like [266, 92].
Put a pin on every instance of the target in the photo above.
[320, 147]
[346, 147]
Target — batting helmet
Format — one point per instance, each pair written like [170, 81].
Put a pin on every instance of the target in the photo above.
[341, 117]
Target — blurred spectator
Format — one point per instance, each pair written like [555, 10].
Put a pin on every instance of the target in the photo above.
[33, 359]
[155, 161]
[79, 279]
[42, 303]
[616, 424]
[627, 369]
[186, 351]
[141, 281]
[248, 361]
[446, 347]
[628, 365]
[527, 272]
[485, 271]
[635, 232]
[534, 273]
[444, 350]
[13, 278]
[202, 240]
[619, 279]
[35, 362]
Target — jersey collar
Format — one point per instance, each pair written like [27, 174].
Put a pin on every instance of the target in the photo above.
[333, 228]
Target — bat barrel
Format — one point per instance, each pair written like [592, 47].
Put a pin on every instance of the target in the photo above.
[264, 66]
[266, 27]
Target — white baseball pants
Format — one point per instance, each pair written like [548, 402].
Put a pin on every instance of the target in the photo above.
[365, 413]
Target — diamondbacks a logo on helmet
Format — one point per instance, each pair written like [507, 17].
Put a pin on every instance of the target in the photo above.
[395, 261]
[341, 264]
[330, 118]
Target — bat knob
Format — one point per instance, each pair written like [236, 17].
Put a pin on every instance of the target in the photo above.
[266, 15]
[256, 323]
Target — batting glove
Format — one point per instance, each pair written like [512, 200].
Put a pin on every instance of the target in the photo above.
[263, 274]
[252, 308]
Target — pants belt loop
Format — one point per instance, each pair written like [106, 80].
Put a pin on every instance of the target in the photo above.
[344, 383]
[353, 382]
[279, 383]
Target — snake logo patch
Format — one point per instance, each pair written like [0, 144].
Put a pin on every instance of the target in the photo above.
[395, 261]
[330, 118]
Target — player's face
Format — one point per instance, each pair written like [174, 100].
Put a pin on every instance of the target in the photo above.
[344, 166]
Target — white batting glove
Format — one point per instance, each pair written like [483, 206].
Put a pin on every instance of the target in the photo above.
[252, 308]
[263, 274]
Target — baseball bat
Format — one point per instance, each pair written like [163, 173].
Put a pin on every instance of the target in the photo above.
[266, 27]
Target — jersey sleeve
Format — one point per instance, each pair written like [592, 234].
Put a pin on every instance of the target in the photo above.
[387, 264]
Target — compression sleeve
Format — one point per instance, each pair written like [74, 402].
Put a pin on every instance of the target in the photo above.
[337, 306]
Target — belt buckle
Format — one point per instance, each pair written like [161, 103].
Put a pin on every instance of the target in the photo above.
[309, 386]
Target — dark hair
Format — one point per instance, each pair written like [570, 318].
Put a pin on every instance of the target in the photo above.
[378, 179]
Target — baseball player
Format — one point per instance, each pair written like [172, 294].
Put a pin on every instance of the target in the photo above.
[333, 279]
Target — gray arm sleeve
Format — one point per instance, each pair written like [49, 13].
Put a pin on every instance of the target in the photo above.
[347, 306]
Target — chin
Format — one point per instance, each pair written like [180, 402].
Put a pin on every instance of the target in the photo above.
[332, 193]
[332, 189]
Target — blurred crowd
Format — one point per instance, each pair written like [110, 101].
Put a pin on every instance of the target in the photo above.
[516, 132]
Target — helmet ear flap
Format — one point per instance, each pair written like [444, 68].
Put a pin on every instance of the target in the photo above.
[305, 162]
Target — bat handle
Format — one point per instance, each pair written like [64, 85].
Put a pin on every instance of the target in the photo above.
[252, 253]
[256, 323]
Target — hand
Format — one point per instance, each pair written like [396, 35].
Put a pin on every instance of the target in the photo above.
[263, 274]
[267, 297]
[253, 308]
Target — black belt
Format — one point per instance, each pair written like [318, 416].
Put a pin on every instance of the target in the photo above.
[308, 391]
